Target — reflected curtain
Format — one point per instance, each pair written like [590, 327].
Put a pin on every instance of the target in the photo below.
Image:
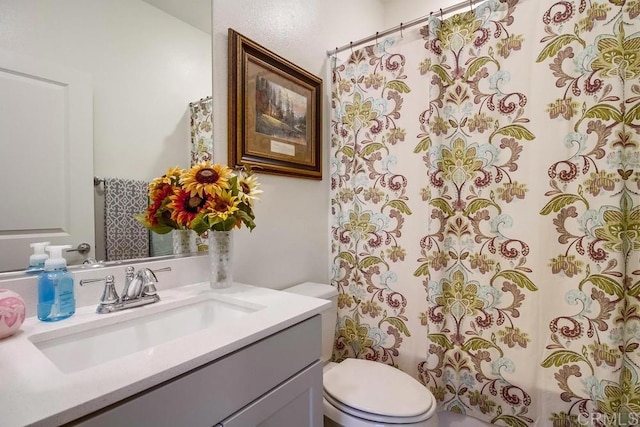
[485, 214]
[201, 130]
[201, 142]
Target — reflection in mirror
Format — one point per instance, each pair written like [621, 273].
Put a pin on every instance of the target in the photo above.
[143, 68]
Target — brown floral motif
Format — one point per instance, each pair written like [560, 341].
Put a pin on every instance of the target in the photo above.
[514, 336]
[439, 126]
[396, 135]
[346, 195]
[509, 44]
[482, 263]
[372, 308]
[600, 181]
[344, 300]
[375, 81]
[596, 12]
[601, 353]
[566, 107]
[396, 253]
[562, 419]
[512, 190]
[374, 195]
[482, 401]
[633, 8]
[568, 264]
[480, 122]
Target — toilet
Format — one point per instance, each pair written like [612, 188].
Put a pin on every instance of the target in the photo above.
[363, 393]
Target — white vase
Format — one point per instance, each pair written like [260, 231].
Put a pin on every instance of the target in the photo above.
[220, 259]
[183, 242]
[12, 312]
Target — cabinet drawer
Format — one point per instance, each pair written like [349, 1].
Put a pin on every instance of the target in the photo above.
[296, 402]
[211, 393]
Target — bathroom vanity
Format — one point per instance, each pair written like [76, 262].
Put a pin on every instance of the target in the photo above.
[270, 383]
[239, 356]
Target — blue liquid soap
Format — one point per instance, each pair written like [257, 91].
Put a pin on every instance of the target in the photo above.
[56, 300]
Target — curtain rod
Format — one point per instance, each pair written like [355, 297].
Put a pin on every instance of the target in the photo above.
[403, 26]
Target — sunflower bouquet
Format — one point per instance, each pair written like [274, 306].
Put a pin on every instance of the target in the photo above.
[205, 197]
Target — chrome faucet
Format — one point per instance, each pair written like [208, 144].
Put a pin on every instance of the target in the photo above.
[139, 289]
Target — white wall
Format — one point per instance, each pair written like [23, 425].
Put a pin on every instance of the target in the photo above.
[397, 11]
[290, 243]
[146, 67]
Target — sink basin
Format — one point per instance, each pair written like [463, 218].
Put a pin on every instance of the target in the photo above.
[86, 345]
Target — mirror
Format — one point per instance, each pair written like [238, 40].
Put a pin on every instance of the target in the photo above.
[144, 66]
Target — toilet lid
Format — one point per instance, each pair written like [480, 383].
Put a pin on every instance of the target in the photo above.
[377, 389]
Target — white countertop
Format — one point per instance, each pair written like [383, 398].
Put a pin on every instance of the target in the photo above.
[33, 391]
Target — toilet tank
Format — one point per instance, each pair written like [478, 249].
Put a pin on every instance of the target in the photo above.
[329, 316]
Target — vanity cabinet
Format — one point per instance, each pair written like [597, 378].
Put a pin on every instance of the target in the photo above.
[276, 381]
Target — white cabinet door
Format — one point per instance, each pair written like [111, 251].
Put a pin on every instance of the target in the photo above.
[46, 157]
[295, 403]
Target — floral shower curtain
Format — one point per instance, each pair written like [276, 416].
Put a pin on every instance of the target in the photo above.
[485, 203]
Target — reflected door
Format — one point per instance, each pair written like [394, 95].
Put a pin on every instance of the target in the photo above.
[46, 160]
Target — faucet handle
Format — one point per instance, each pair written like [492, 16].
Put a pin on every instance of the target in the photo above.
[109, 295]
[149, 279]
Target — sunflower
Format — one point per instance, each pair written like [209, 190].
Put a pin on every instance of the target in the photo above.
[221, 207]
[206, 197]
[206, 178]
[248, 186]
[185, 207]
[157, 200]
[170, 178]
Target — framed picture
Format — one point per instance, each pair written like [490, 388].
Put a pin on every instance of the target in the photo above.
[275, 110]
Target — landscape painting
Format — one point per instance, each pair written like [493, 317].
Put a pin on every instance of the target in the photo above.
[280, 112]
[275, 112]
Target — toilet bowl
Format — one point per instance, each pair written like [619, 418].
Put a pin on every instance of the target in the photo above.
[364, 393]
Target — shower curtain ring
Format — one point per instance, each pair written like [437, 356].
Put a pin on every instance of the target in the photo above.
[351, 46]
[470, 5]
[401, 36]
[441, 14]
[376, 38]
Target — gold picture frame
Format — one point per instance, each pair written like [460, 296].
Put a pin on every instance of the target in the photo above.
[275, 112]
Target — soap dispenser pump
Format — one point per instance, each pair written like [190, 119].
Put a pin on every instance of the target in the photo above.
[56, 299]
[37, 259]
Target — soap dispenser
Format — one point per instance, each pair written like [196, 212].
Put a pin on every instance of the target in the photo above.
[56, 299]
[37, 259]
